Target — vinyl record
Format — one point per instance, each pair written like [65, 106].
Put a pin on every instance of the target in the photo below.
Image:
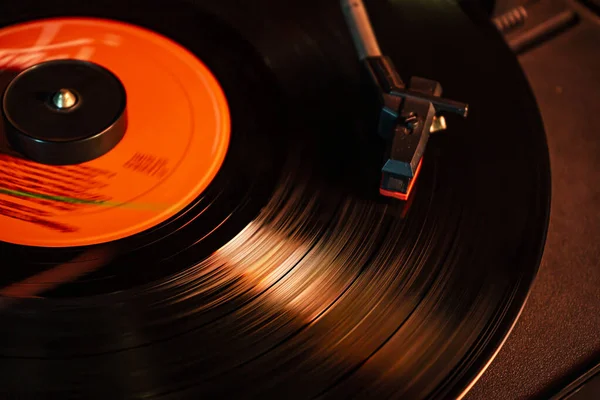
[287, 274]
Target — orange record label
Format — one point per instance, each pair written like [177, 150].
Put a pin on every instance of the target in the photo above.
[177, 137]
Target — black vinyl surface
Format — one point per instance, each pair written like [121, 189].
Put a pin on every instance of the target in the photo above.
[290, 276]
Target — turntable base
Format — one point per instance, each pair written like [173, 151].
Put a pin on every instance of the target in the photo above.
[556, 338]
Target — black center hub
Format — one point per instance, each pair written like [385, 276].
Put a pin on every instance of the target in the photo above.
[65, 112]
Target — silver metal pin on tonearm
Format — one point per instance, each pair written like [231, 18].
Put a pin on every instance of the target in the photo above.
[360, 28]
